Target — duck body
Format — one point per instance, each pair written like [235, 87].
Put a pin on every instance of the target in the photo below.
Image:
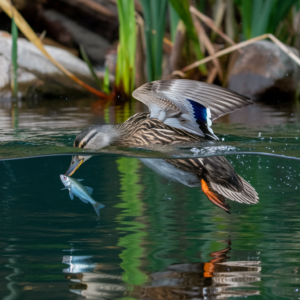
[141, 130]
[181, 112]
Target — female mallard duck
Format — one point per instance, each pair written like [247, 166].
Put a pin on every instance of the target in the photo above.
[181, 111]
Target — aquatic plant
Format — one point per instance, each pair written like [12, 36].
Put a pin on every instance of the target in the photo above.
[174, 19]
[125, 71]
[106, 89]
[14, 57]
[90, 66]
[155, 22]
[262, 16]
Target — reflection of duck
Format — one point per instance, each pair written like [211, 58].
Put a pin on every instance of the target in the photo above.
[217, 279]
[181, 111]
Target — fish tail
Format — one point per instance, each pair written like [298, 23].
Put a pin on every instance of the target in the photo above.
[97, 206]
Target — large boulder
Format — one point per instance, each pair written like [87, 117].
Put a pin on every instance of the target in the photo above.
[263, 68]
[37, 75]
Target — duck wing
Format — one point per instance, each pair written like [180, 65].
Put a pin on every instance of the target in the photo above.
[188, 104]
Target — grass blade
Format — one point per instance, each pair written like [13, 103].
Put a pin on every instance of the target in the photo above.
[155, 21]
[280, 9]
[265, 17]
[174, 19]
[106, 81]
[159, 23]
[246, 9]
[14, 57]
[125, 73]
[147, 30]
[256, 17]
[90, 66]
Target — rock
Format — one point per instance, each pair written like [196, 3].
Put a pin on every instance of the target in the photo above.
[264, 69]
[37, 75]
[95, 45]
[97, 16]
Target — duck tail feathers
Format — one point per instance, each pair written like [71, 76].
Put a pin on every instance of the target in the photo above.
[247, 194]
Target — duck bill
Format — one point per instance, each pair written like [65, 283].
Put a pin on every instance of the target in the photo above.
[76, 162]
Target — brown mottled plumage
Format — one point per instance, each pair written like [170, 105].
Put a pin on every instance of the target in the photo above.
[180, 112]
[140, 130]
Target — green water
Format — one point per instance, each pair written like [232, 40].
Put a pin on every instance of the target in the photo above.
[155, 239]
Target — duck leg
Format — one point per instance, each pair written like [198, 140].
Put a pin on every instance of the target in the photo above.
[215, 198]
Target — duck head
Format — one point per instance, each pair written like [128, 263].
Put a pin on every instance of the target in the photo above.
[94, 137]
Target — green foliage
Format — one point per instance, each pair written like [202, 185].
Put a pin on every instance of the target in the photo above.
[14, 57]
[125, 72]
[106, 81]
[155, 22]
[90, 66]
[183, 10]
[102, 86]
[262, 16]
[174, 19]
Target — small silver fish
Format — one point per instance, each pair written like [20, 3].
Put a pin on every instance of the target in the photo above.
[80, 191]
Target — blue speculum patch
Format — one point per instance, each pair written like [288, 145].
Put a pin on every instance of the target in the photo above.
[200, 111]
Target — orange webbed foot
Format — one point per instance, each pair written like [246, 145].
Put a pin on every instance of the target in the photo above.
[215, 198]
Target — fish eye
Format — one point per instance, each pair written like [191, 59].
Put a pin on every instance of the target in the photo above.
[65, 177]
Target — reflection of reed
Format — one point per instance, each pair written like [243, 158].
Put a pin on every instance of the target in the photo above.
[217, 279]
[132, 207]
[14, 115]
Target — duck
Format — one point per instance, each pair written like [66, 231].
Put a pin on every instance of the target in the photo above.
[181, 112]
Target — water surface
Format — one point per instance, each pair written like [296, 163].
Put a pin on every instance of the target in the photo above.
[155, 239]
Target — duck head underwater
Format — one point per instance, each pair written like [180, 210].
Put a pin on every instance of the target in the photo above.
[181, 111]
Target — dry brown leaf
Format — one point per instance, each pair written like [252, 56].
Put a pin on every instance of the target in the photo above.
[212, 75]
[210, 23]
[208, 45]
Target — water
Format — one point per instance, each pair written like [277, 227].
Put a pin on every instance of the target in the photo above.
[155, 239]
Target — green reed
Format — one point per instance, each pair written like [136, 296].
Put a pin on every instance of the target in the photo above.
[90, 66]
[155, 23]
[106, 89]
[262, 16]
[125, 71]
[14, 58]
[174, 19]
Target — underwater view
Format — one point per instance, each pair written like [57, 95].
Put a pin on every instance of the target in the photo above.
[154, 239]
[149, 149]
